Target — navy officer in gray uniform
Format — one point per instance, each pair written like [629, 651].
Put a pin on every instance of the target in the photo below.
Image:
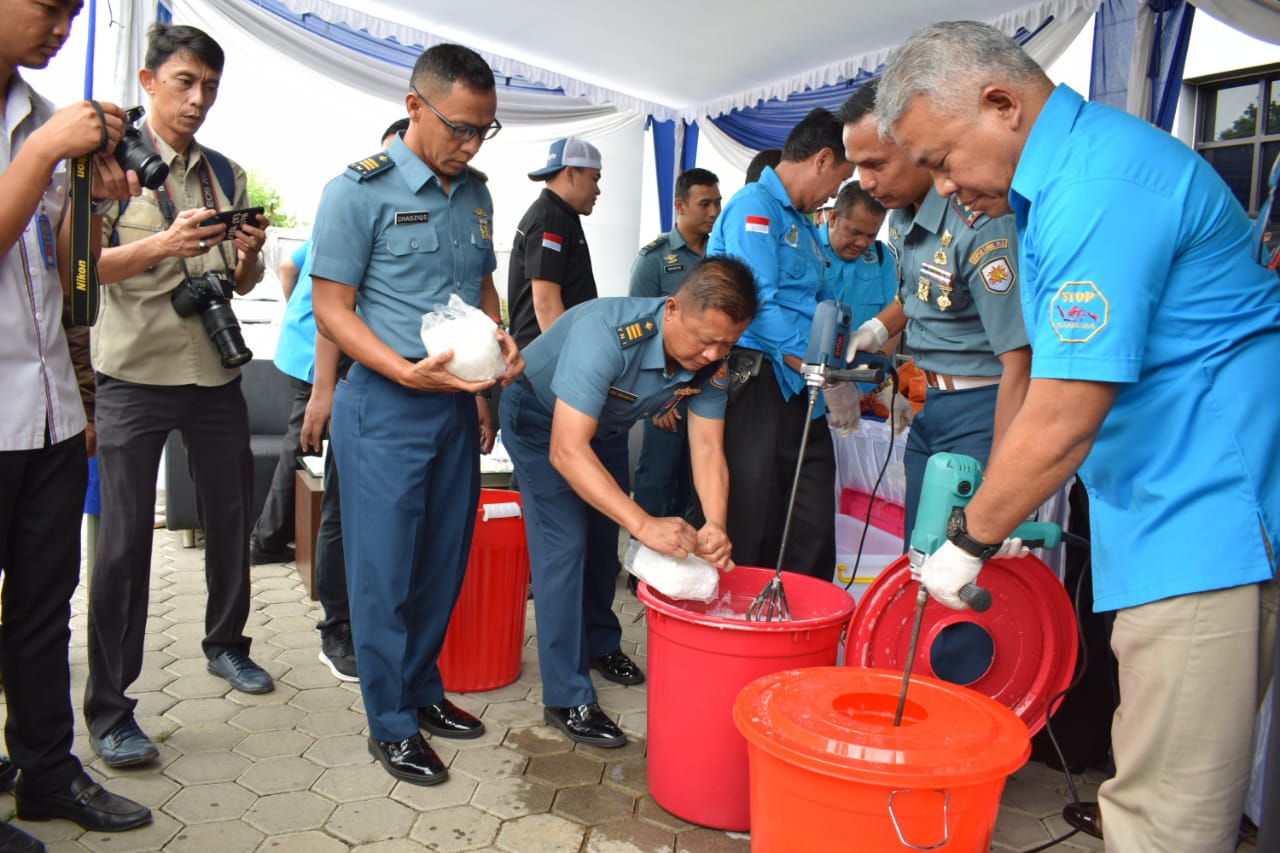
[662, 484]
[957, 300]
[397, 234]
[601, 367]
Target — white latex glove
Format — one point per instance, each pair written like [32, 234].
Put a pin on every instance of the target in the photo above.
[899, 408]
[869, 337]
[844, 406]
[1011, 549]
[946, 570]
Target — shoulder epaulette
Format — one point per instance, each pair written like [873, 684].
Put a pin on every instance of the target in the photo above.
[477, 174]
[967, 213]
[375, 164]
[660, 240]
[636, 331]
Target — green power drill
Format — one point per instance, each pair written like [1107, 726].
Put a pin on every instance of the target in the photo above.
[950, 479]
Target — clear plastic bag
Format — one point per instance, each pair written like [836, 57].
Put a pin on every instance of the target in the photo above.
[470, 334]
[692, 578]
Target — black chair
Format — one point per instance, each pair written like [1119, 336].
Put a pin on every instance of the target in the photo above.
[269, 396]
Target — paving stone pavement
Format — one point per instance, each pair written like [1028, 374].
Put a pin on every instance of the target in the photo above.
[289, 770]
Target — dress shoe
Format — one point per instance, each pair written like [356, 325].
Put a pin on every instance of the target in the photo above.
[618, 668]
[85, 802]
[446, 719]
[1086, 817]
[410, 760]
[14, 840]
[8, 776]
[124, 745]
[586, 724]
[244, 675]
[258, 554]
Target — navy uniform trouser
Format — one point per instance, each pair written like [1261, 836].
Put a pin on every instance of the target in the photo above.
[949, 422]
[410, 484]
[573, 552]
[663, 481]
[41, 499]
[133, 422]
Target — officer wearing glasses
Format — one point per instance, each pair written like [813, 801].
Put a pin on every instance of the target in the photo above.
[396, 234]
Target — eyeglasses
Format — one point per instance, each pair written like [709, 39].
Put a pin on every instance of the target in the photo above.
[461, 132]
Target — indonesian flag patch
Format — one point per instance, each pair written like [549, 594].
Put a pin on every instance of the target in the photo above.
[554, 242]
[758, 224]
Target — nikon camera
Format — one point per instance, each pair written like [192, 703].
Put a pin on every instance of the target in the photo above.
[133, 152]
[209, 295]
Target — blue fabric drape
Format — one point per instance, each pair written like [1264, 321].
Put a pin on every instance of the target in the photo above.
[664, 161]
[767, 124]
[1113, 45]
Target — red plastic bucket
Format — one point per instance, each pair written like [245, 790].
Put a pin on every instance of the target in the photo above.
[830, 771]
[482, 646]
[1021, 652]
[697, 664]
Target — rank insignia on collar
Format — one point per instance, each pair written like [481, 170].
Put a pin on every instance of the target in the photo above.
[893, 234]
[670, 259]
[946, 239]
[967, 213]
[632, 333]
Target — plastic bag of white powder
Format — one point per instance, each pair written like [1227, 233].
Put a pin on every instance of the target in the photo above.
[692, 578]
[470, 334]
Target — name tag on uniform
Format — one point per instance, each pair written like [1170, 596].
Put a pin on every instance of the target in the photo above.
[618, 393]
[411, 217]
[673, 268]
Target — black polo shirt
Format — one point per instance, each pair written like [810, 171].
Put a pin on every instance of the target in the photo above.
[550, 245]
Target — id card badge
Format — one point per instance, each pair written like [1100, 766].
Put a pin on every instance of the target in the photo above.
[48, 248]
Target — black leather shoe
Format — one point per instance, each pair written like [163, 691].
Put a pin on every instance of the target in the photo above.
[445, 719]
[124, 745]
[8, 777]
[244, 675]
[586, 724]
[1085, 817]
[410, 759]
[85, 802]
[259, 555]
[618, 668]
[14, 840]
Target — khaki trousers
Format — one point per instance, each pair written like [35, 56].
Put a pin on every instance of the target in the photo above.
[1192, 671]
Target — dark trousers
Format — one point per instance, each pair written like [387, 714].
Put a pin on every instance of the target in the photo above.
[133, 421]
[274, 527]
[950, 422]
[573, 552]
[410, 485]
[330, 566]
[762, 434]
[663, 482]
[1269, 839]
[41, 498]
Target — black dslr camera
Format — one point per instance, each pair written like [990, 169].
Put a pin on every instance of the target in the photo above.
[133, 152]
[209, 295]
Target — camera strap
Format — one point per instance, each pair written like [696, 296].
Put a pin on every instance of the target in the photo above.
[84, 272]
[169, 211]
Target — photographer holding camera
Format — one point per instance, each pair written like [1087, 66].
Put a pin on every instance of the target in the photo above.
[166, 349]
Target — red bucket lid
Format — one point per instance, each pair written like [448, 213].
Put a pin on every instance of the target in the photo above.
[1021, 652]
[838, 721]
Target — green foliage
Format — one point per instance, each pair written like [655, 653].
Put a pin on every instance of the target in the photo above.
[262, 194]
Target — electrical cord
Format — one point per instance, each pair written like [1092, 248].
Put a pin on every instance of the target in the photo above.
[1081, 666]
[884, 466]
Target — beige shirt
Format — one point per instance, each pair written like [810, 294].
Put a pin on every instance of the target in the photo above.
[138, 336]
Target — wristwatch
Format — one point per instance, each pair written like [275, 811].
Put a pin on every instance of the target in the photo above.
[958, 535]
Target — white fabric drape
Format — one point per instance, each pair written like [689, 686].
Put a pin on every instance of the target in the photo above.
[1258, 18]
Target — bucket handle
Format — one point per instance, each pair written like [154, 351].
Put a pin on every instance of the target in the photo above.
[946, 829]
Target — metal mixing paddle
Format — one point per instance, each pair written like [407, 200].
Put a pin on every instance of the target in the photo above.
[771, 604]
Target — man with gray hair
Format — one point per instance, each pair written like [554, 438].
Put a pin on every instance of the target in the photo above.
[1153, 373]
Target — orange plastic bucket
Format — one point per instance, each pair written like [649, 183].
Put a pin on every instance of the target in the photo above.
[830, 771]
[696, 760]
[482, 645]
